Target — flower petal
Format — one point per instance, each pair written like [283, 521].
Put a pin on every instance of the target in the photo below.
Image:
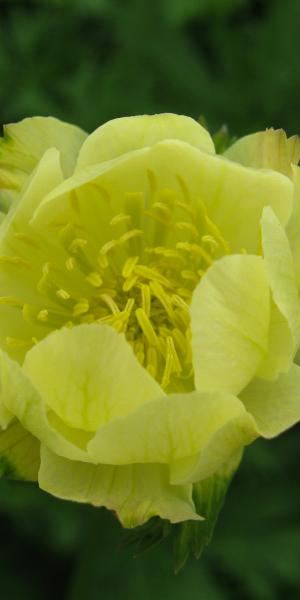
[89, 375]
[270, 149]
[281, 275]
[21, 399]
[234, 195]
[21, 258]
[292, 228]
[135, 492]
[275, 405]
[119, 136]
[19, 453]
[171, 430]
[24, 143]
[220, 448]
[230, 316]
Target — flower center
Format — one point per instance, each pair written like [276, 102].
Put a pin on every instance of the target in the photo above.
[137, 276]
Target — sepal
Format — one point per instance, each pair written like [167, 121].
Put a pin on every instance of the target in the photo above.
[209, 495]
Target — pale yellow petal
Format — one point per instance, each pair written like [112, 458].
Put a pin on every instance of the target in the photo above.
[125, 134]
[135, 492]
[230, 316]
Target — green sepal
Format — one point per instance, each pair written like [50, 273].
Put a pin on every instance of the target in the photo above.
[146, 536]
[19, 453]
[223, 139]
[209, 496]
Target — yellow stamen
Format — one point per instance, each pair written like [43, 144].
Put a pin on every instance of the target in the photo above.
[146, 326]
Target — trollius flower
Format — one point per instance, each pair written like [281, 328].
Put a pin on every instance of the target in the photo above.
[149, 310]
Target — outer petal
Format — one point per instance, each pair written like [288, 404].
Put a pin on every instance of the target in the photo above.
[281, 275]
[25, 142]
[19, 271]
[89, 375]
[270, 149]
[225, 443]
[22, 400]
[230, 316]
[135, 492]
[292, 228]
[234, 195]
[173, 429]
[275, 406]
[19, 453]
[123, 135]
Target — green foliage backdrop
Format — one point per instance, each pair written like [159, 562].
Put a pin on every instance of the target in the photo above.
[236, 62]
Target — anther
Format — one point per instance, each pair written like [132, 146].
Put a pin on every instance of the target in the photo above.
[81, 307]
[63, 294]
[94, 279]
[120, 218]
[129, 266]
[146, 326]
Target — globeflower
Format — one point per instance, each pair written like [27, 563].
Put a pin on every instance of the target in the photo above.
[149, 309]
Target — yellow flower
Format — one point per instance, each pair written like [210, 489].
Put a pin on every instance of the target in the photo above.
[149, 311]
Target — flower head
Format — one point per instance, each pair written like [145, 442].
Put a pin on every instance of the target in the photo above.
[149, 310]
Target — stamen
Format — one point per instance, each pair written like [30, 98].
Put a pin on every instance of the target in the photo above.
[196, 250]
[110, 303]
[27, 239]
[151, 274]
[70, 263]
[183, 225]
[129, 283]
[129, 266]
[129, 235]
[146, 327]
[94, 279]
[164, 299]
[190, 275]
[120, 218]
[63, 294]
[81, 307]
[43, 315]
[217, 235]
[11, 301]
[146, 299]
[77, 244]
[184, 189]
[152, 361]
[17, 343]
[15, 261]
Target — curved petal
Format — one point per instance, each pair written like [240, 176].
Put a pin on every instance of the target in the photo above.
[21, 256]
[24, 143]
[172, 429]
[135, 492]
[281, 275]
[270, 149]
[292, 228]
[88, 375]
[19, 453]
[22, 400]
[234, 195]
[125, 134]
[275, 405]
[221, 447]
[44, 178]
[230, 315]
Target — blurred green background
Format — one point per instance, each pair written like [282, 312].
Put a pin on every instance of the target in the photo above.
[85, 61]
